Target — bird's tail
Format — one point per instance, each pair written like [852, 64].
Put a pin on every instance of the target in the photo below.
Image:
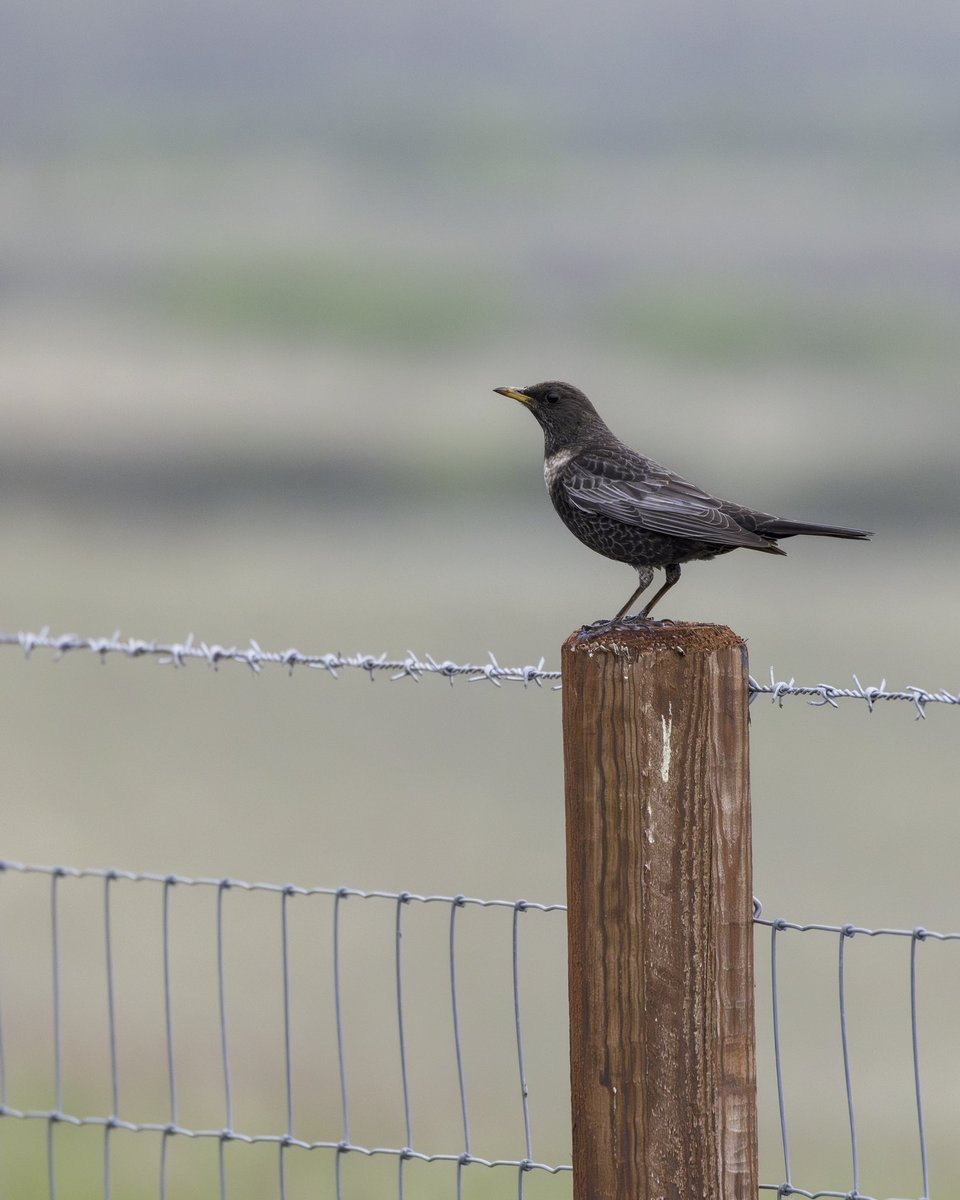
[780, 529]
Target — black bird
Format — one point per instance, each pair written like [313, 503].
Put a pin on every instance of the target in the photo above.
[631, 509]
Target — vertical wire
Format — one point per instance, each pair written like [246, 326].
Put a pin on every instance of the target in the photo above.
[57, 1046]
[282, 1180]
[3, 1062]
[55, 945]
[224, 1046]
[344, 1108]
[168, 1014]
[519, 907]
[918, 936]
[287, 1056]
[778, 1056]
[221, 1143]
[457, 904]
[112, 1022]
[168, 1030]
[845, 933]
[163, 1164]
[345, 1141]
[402, 899]
[51, 1174]
[107, 1179]
[111, 1005]
[338, 1174]
[221, 987]
[288, 1064]
[3, 1057]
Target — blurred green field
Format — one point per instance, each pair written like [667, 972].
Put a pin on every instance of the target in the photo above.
[262, 269]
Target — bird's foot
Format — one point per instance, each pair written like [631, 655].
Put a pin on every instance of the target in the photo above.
[613, 623]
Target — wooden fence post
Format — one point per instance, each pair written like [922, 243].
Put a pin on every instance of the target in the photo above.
[660, 929]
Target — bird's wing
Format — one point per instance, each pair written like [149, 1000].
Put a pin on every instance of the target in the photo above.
[640, 492]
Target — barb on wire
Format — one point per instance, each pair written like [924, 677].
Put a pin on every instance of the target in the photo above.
[825, 693]
[178, 654]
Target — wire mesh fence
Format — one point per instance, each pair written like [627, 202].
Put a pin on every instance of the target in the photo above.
[170, 1036]
[855, 1067]
[163, 1018]
[167, 1007]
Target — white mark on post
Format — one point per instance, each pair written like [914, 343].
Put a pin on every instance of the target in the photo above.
[667, 726]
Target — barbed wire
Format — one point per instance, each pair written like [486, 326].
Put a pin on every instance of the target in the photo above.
[178, 654]
[827, 694]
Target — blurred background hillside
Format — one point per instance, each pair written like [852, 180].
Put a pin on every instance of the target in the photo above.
[263, 265]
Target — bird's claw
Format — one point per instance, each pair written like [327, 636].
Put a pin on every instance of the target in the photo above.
[609, 624]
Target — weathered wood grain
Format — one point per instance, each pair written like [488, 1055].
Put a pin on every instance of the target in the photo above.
[660, 915]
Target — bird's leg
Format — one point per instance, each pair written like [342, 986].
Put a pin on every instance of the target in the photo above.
[672, 572]
[646, 578]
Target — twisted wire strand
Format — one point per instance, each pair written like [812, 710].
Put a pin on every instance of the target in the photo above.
[178, 654]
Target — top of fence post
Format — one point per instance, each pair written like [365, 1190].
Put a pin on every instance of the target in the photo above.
[660, 913]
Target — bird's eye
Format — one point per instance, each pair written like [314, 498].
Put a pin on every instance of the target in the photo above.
[552, 397]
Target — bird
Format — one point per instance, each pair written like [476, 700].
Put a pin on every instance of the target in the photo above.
[629, 508]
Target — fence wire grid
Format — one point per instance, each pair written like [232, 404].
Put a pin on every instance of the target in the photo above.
[842, 935]
[178, 654]
[51, 948]
[286, 1133]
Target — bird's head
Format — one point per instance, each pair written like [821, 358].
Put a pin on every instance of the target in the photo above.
[563, 410]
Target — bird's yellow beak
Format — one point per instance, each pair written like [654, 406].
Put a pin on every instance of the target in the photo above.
[515, 394]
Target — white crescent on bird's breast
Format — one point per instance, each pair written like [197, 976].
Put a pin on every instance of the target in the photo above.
[554, 463]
